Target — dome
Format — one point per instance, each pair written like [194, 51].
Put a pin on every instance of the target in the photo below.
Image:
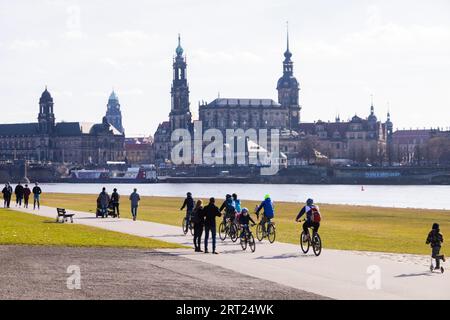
[288, 55]
[287, 82]
[356, 119]
[46, 97]
[179, 50]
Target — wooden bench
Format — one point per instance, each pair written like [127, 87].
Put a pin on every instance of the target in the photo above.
[62, 213]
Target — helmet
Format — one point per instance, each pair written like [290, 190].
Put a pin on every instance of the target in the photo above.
[228, 196]
[189, 194]
[309, 202]
[267, 196]
[435, 226]
[244, 210]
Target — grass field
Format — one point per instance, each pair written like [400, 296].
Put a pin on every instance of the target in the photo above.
[18, 228]
[343, 227]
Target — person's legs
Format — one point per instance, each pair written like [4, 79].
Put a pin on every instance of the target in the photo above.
[207, 228]
[213, 236]
[117, 210]
[437, 257]
[316, 226]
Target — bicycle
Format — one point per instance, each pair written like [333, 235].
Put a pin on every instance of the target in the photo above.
[247, 238]
[228, 228]
[188, 228]
[270, 232]
[315, 242]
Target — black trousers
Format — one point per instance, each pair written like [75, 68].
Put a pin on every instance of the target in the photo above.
[309, 224]
[435, 254]
[198, 231]
[116, 209]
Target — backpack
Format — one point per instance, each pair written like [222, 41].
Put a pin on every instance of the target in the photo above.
[315, 214]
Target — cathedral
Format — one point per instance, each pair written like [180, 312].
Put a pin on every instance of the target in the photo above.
[64, 142]
[359, 139]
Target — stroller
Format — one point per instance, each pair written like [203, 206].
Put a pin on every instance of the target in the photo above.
[110, 212]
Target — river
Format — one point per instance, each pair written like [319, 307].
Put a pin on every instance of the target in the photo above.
[431, 197]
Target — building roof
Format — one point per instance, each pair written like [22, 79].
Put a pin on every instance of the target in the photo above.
[19, 129]
[234, 102]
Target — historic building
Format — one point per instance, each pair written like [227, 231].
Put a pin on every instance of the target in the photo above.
[257, 113]
[68, 142]
[359, 140]
[139, 150]
[113, 113]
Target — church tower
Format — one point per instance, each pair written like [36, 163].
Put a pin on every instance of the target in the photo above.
[288, 89]
[180, 114]
[113, 113]
[46, 117]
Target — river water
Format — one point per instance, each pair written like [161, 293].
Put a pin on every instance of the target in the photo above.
[431, 197]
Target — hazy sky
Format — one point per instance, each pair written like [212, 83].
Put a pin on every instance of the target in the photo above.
[343, 51]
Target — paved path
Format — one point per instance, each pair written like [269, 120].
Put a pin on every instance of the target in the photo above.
[335, 274]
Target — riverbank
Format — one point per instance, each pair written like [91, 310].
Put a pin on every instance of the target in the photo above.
[362, 228]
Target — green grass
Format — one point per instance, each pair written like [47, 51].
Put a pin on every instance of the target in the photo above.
[343, 227]
[17, 228]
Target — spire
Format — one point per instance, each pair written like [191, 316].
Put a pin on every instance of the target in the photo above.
[372, 109]
[179, 49]
[288, 53]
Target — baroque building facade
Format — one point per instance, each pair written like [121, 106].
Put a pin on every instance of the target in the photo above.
[359, 139]
[63, 142]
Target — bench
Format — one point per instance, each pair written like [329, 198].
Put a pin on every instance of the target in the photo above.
[62, 213]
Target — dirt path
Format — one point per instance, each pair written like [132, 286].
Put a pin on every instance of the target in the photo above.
[41, 273]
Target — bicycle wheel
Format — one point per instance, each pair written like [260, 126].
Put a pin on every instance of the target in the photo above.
[271, 233]
[304, 244]
[222, 231]
[234, 233]
[243, 242]
[191, 228]
[184, 226]
[259, 232]
[317, 244]
[251, 242]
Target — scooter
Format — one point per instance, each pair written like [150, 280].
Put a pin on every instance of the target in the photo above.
[432, 266]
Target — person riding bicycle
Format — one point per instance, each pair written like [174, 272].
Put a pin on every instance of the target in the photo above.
[189, 205]
[269, 212]
[312, 217]
[244, 221]
[230, 209]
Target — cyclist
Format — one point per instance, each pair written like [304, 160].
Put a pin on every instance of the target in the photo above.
[269, 212]
[244, 221]
[230, 209]
[311, 211]
[189, 205]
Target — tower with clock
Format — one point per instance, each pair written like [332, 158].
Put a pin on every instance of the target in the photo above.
[288, 89]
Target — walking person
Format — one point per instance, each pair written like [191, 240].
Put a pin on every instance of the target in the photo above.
[211, 211]
[37, 191]
[7, 192]
[103, 200]
[115, 198]
[134, 198]
[18, 191]
[189, 205]
[435, 240]
[26, 196]
[198, 219]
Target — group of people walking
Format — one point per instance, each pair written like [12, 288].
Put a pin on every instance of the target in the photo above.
[22, 194]
[105, 201]
[204, 217]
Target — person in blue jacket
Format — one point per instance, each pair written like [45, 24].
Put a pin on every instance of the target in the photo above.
[269, 211]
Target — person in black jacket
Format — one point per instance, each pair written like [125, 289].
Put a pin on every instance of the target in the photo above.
[211, 212]
[189, 205]
[18, 191]
[199, 222]
[7, 192]
[244, 221]
[435, 240]
[37, 191]
[115, 198]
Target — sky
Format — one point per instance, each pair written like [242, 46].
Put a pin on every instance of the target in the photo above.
[344, 52]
